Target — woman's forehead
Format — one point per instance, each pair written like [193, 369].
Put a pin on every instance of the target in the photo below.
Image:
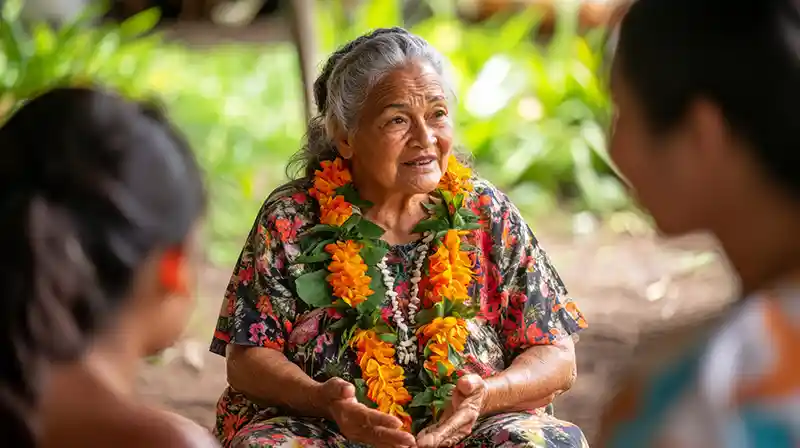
[413, 83]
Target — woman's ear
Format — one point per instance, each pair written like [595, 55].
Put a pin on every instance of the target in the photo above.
[343, 145]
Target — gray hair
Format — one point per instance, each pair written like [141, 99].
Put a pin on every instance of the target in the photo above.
[344, 85]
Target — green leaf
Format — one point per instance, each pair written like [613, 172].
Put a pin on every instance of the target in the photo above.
[445, 391]
[422, 399]
[351, 222]
[458, 221]
[321, 229]
[320, 246]
[388, 337]
[427, 352]
[361, 393]
[370, 230]
[313, 258]
[373, 254]
[441, 370]
[458, 201]
[313, 289]
[438, 308]
[139, 24]
[341, 324]
[376, 298]
[446, 196]
[438, 405]
[351, 195]
[448, 306]
[453, 357]
[468, 215]
[434, 225]
[425, 316]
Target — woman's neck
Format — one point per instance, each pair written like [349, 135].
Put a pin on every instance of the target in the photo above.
[398, 216]
[114, 364]
[397, 213]
[762, 244]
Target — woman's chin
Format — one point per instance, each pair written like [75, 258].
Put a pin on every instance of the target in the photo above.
[421, 183]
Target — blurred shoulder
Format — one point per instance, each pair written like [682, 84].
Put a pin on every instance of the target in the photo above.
[162, 428]
[123, 425]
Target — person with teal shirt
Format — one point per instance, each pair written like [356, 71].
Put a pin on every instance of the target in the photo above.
[707, 134]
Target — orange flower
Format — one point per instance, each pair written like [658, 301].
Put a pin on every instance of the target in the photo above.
[332, 176]
[348, 273]
[374, 349]
[456, 179]
[450, 270]
[385, 379]
[400, 413]
[334, 210]
[440, 355]
[446, 330]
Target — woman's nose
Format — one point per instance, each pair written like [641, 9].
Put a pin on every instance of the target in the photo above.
[425, 136]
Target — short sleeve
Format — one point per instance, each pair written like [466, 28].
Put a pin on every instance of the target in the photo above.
[535, 308]
[259, 307]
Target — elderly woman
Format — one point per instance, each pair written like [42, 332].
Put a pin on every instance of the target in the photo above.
[387, 297]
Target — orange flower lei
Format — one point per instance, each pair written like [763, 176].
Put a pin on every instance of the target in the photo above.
[348, 280]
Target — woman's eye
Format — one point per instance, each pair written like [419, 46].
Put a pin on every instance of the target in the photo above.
[397, 120]
[441, 113]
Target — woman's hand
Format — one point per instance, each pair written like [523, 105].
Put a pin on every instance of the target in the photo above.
[458, 419]
[359, 423]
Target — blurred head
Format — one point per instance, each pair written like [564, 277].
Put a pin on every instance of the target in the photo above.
[99, 198]
[706, 118]
[383, 106]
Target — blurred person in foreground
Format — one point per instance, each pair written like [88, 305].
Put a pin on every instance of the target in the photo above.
[388, 293]
[100, 200]
[707, 132]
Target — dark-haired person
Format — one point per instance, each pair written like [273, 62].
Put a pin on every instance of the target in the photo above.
[706, 132]
[100, 201]
[384, 130]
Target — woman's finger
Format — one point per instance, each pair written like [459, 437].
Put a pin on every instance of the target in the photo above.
[392, 437]
[374, 419]
[464, 416]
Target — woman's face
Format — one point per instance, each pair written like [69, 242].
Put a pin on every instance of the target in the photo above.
[404, 135]
[678, 175]
[164, 312]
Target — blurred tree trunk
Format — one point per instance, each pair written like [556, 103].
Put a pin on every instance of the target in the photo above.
[305, 38]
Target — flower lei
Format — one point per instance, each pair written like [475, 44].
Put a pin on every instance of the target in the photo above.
[349, 274]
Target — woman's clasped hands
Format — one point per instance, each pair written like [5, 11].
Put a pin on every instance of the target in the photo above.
[358, 423]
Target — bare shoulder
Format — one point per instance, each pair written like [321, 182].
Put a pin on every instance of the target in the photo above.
[162, 428]
[140, 427]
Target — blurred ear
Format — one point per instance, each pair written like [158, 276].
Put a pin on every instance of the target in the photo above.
[710, 132]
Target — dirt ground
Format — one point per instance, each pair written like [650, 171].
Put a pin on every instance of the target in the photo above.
[624, 284]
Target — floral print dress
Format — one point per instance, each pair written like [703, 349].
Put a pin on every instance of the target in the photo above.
[522, 303]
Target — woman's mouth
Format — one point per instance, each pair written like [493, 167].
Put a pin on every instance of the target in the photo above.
[420, 161]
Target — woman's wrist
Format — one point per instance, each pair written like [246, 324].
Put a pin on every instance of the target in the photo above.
[497, 393]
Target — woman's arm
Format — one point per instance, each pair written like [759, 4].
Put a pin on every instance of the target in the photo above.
[266, 377]
[533, 379]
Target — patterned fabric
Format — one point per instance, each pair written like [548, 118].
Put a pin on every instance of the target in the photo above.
[738, 389]
[522, 303]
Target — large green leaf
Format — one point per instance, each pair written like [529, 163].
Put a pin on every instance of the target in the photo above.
[313, 289]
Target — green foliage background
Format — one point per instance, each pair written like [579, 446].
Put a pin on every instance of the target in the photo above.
[532, 113]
